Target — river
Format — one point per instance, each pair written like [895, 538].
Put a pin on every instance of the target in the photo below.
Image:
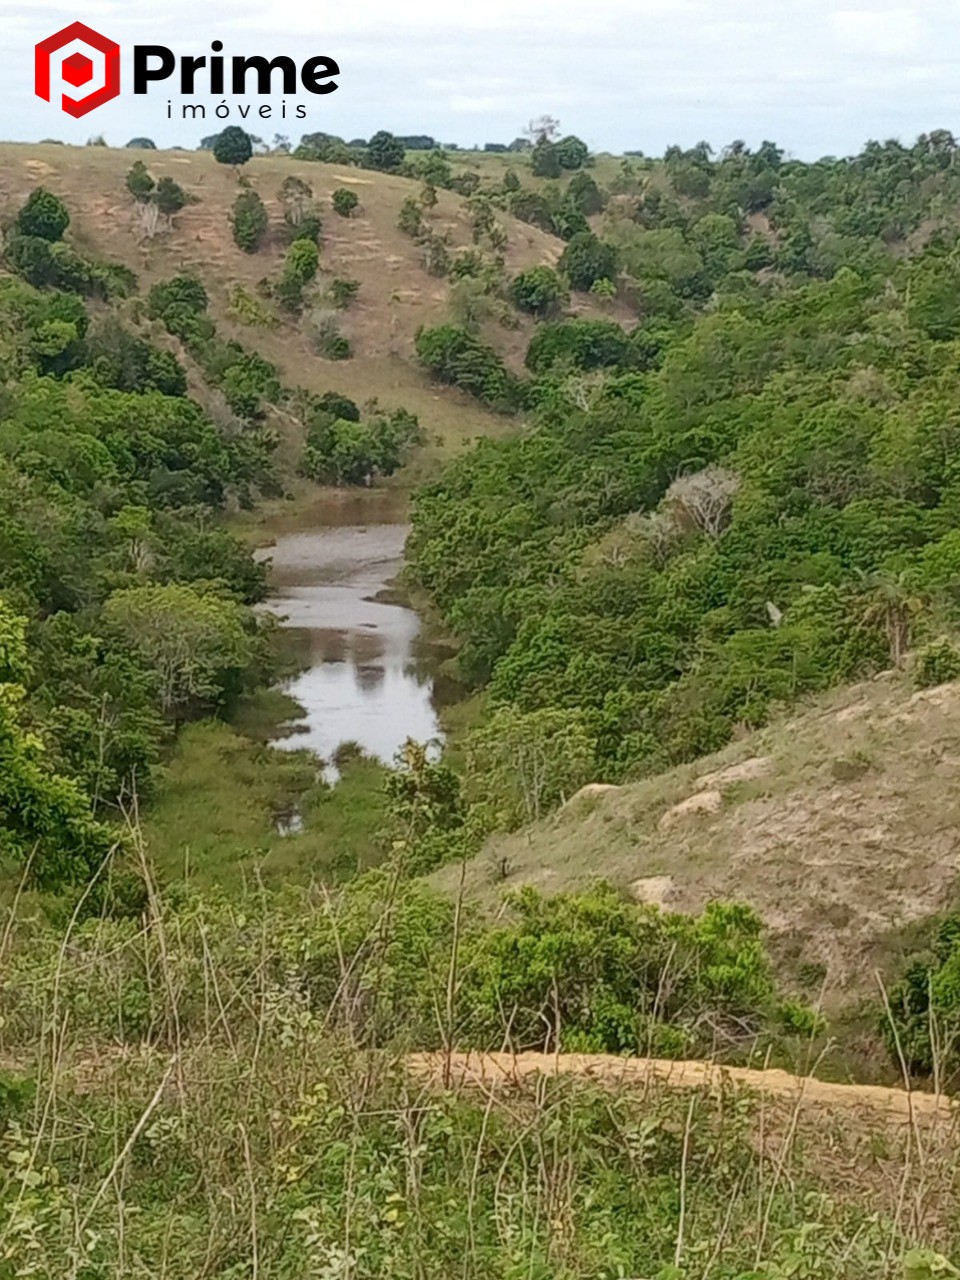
[365, 676]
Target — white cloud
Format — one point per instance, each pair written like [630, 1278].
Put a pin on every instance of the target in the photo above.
[884, 33]
[622, 73]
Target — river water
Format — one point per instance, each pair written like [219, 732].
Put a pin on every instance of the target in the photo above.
[364, 678]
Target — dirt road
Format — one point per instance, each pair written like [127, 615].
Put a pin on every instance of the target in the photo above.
[491, 1069]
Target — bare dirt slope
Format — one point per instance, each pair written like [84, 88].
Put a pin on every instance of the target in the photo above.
[841, 825]
[499, 1069]
[396, 293]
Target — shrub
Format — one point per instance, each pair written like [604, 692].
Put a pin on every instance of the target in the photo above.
[385, 152]
[142, 144]
[587, 259]
[530, 206]
[571, 152]
[44, 216]
[338, 406]
[546, 162]
[233, 146]
[170, 197]
[584, 344]
[344, 201]
[436, 255]
[924, 1022]
[410, 220]
[937, 663]
[537, 291]
[249, 221]
[455, 356]
[247, 309]
[465, 184]
[327, 339]
[302, 261]
[139, 182]
[299, 268]
[342, 292]
[585, 194]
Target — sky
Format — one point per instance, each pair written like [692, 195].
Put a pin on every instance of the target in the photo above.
[817, 78]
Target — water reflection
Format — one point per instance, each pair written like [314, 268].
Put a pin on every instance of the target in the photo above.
[362, 680]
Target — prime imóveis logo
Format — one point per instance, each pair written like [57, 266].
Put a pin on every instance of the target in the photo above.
[77, 57]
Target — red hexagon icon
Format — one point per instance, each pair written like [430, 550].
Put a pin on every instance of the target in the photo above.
[78, 68]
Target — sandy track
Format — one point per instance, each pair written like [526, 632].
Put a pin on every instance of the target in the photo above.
[486, 1069]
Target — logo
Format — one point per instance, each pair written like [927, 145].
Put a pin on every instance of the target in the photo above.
[78, 58]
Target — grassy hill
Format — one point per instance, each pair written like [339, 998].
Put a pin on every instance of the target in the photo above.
[839, 824]
[396, 293]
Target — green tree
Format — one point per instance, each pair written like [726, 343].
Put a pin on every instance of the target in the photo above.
[46, 821]
[249, 220]
[545, 161]
[170, 197]
[344, 201]
[140, 184]
[385, 152]
[571, 152]
[538, 291]
[587, 259]
[194, 642]
[890, 601]
[44, 215]
[233, 146]
[520, 765]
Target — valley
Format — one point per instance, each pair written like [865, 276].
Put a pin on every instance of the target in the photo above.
[479, 721]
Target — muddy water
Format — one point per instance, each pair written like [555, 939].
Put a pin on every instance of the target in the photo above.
[365, 678]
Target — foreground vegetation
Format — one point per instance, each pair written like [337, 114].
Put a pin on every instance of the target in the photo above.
[217, 1089]
[737, 488]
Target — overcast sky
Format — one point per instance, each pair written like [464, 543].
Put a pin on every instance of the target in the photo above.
[817, 78]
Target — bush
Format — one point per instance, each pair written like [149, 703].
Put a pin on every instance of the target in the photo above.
[344, 201]
[302, 261]
[571, 152]
[142, 144]
[139, 182]
[346, 451]
[546, 162]
[327, 339]
[537, 291]
[937, 663]
[410, 220]
[342, 292]
[925, 1009]
[233, 146]
[170, 197]
[249, 221]
[584, 344]
[587, 259]
[585, 194]
[455, 356]
[44, 216]
[385, 152]
[338, 406]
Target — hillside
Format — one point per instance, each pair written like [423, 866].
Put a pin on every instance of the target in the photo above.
[839, 824]
[396, 294]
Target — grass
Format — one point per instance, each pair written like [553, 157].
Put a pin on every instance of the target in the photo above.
[839, 860]
[395, 297]
[214, 822]
[179, 1099]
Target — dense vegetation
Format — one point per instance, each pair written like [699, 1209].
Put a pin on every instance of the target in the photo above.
[748, 496]
[745, 493]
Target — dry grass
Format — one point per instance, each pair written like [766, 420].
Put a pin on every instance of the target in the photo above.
[841, 825]
[396, 293]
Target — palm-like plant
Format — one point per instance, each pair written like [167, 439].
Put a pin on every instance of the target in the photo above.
[891, 601]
